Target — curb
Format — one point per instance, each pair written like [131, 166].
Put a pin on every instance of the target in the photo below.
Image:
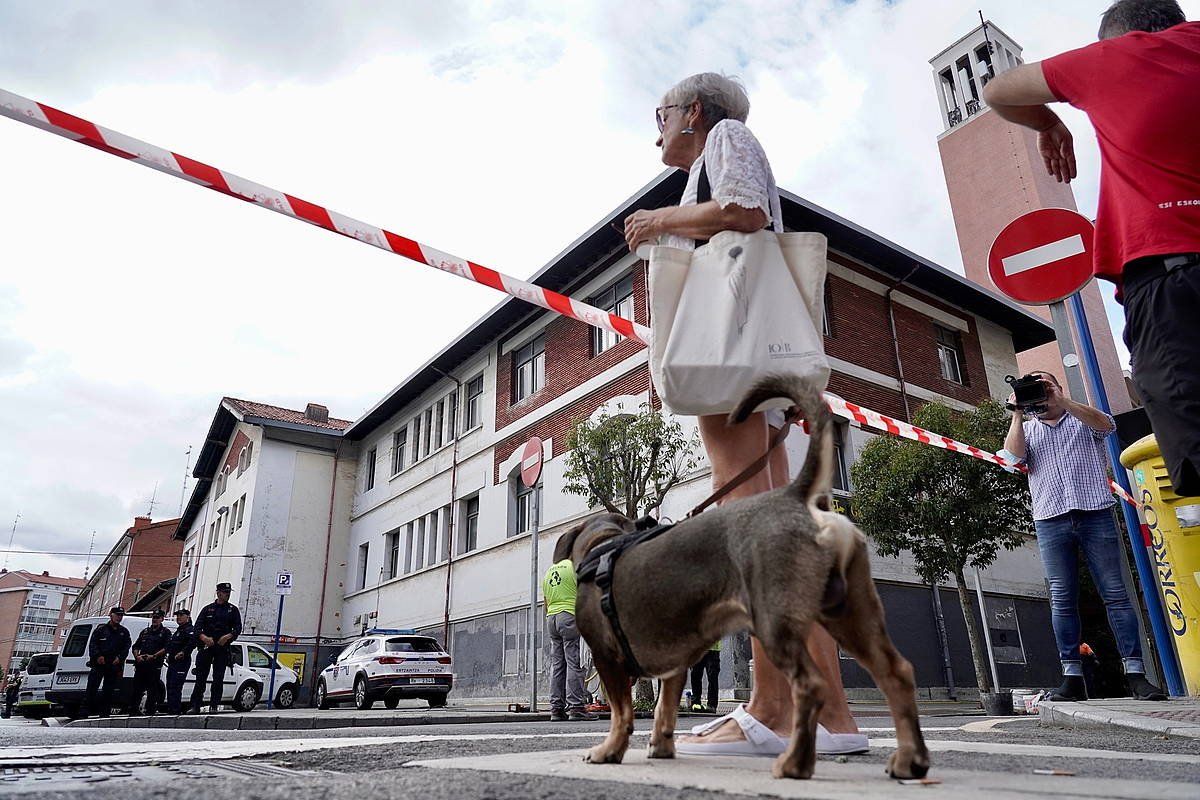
[1082, 715]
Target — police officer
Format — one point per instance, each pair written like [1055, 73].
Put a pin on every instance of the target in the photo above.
[106, 662]
[219, 624]
[179, 658]
[148, 653]
[12, 690]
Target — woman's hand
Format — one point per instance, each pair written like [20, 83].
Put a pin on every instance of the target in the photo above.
[643, 225]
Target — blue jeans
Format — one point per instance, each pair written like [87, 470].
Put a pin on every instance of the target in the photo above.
[1059, 540]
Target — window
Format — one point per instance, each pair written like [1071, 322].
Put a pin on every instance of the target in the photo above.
[408, 548]
[452, 415]
[432, 536]
[841, 475]
[364, 551]
[258, 659]
[399, 442]
[616, 299]
[37, 599]
[474, 403]
[412, 645]
[826, 315]
[244, 457]
[529, 369]
[212, 535]
[233, 514]
[241, 511]
[370, 479]
[439, 423]
[77, 641]
[516, 642]
[416, 443]
[469, 536]
[427, 423]
[392, 554]
[950, 354]
[524, 516]
[419, 545]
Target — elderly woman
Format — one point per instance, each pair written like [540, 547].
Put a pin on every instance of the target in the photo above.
[701, 123]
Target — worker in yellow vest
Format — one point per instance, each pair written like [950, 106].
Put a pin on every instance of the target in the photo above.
[710, 663]
[566, 676]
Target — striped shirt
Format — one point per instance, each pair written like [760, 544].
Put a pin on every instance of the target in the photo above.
[1068, 468]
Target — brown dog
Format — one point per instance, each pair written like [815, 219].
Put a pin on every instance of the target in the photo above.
[774, 563]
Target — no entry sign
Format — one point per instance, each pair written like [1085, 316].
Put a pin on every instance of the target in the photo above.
[531, 462]
[1042, 257]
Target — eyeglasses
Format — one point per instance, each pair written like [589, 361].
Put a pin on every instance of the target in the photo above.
[660, 115]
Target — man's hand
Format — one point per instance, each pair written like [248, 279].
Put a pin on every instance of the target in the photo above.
[206, 640]
[642, 226]
[1057, 147]
[100, 660]
[224, 640]
[178, 656]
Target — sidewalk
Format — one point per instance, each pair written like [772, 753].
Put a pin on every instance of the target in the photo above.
[1179, 717]
[458, 714]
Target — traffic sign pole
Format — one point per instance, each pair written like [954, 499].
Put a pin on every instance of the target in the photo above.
[1154, 608]
[275, 653]
[1066, 348]
[531, 473]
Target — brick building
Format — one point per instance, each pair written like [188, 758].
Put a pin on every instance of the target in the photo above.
[439, 525]
[34, 613]
[144, 555]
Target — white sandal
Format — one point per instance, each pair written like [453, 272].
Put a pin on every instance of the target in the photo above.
[760, 740]
[840, 744]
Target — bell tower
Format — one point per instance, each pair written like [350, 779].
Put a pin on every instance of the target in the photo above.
[994, 174]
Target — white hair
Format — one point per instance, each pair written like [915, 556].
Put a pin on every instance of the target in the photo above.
[720, 96]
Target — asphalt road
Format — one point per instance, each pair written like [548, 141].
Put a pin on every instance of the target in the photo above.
[374, 765]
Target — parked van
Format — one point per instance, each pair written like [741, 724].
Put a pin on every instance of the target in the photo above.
[246, 680]
[39, 673]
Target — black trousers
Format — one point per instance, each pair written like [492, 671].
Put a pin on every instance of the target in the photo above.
[176, 676]
[215, 659]
[10, 700]
[710, 664]
[1162, 328]
[99, 701]
[146, 681]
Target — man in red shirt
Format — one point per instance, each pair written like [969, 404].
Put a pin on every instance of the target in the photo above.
[1140, 87]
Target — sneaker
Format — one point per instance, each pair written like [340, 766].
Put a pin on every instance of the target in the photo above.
[558, 716]
[581, 716]
[1142, 689]
[697, 707]
[1072, 690]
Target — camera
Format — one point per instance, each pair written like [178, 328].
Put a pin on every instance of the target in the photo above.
[1029, 393]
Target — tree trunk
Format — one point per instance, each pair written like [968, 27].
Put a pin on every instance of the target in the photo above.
[643, 695]
[983, 676]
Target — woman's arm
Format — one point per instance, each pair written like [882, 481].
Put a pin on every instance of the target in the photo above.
[701, 221]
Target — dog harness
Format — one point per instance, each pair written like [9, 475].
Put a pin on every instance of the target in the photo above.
[598, 566]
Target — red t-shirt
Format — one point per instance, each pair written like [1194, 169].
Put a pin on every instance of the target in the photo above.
[1142, 94]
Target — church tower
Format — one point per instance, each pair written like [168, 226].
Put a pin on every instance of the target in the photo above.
[994, 174]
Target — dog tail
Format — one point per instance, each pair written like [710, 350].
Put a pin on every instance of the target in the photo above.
[815, 480]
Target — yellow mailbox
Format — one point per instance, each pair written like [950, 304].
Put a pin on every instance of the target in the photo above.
[1174, 526]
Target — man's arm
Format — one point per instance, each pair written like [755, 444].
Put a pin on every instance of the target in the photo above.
[1014, 441]
[1094, 418]
[1020, 95]
[237, 628]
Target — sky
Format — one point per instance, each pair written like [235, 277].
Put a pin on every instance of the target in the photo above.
[131, 301]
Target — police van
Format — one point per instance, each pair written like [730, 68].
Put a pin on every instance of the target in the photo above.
[246, 680]
[39, 672]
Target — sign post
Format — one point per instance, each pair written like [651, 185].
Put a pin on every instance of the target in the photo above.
[1043, 258]
[283, 586]
[531, 471]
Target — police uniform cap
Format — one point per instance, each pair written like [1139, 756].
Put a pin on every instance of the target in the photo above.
[184, 611]
[158, 613]
[117, 610]
[224, 587]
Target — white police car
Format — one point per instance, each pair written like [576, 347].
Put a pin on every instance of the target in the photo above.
[390, 665]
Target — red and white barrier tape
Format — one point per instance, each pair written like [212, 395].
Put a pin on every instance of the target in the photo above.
[80, 130]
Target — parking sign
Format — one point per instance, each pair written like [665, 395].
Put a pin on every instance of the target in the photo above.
[283, 583]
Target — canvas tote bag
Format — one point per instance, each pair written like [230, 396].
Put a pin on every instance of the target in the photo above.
[742, 306]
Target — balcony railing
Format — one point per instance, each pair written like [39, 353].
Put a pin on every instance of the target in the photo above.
[955, 116]
[972, 108]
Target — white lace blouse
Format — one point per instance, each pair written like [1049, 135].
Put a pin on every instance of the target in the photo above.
[738, 172]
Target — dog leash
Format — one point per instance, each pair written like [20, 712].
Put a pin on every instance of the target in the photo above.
[749, 472]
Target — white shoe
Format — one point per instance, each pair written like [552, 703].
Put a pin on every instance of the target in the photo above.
[760, 740]
[840, 744]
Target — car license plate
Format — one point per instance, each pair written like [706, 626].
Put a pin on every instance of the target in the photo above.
[422, 680]
[63, 679]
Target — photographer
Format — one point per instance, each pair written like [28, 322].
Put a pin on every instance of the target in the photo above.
[1063, 446]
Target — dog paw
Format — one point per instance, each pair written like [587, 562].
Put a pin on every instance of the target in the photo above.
[907, 765]
[791, 768]
[603, 755]
[663, 749]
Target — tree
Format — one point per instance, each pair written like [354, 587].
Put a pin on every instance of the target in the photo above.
[626, 464]
[947, 509]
